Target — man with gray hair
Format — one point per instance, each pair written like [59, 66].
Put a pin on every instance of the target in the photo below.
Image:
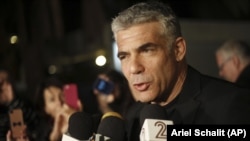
[152, 52]
[233, 61]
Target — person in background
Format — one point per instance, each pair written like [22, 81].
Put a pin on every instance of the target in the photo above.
[152, 52]
[233, 61]
[23, 137]
[118, 97]
[113, 94]
[9, 100]
[54, 112]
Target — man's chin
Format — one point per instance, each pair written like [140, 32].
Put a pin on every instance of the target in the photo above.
[145, 100]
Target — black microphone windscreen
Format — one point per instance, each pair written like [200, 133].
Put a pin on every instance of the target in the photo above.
[96, 121]
[152, 111]
[112, 127]
[80, 126]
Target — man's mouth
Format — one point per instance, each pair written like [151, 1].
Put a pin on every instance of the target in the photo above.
[141, 86]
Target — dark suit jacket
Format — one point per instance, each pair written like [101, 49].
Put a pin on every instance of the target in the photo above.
[207, 100]
[244, 78]
[202, 100]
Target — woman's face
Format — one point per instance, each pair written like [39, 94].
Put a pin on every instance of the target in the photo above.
[53, 100]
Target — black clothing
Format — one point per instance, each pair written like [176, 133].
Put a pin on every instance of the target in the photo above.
[244, 78]
[132, 120]
[202, 100]
[44, 129]
[207, 100]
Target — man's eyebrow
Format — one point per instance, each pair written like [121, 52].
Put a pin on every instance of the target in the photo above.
[142, 47]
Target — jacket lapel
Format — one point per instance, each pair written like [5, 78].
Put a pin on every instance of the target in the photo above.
[187, 104]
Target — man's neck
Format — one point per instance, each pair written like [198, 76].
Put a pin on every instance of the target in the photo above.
[177, 87]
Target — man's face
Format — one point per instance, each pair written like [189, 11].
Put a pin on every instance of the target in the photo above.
[146, 62]
[227, 69]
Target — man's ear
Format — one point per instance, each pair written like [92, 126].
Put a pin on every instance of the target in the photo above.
[180, 49]
[236, 61]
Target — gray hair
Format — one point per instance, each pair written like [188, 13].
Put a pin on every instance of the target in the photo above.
[235, 47]
[148, 12]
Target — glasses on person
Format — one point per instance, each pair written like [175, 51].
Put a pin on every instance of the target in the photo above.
[224, 63]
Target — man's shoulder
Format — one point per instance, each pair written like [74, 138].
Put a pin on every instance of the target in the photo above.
[209, 86]
[219, 101]
[221, 85]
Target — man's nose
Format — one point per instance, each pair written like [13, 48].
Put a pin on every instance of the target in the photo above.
[136, 66]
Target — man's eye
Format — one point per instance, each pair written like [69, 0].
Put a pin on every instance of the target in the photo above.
[148, 50]
[121, 57]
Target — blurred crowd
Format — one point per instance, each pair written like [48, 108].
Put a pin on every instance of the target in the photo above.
[46, 117]
[155, 71]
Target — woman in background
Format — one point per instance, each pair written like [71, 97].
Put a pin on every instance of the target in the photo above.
[54, 112]
[113, 93]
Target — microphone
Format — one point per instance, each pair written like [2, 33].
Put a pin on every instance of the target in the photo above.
[66, 137]
[111, 128]
[80, 127]
[154, 124]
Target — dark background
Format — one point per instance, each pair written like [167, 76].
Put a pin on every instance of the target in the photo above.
[68, 34]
